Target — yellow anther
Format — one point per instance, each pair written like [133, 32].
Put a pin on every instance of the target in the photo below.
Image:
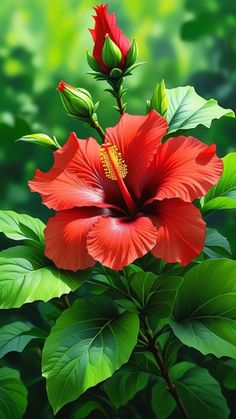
[112, 161]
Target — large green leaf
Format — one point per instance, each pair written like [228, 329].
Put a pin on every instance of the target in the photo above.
[89, 342]
[13, 394]
[154, 294]
[199, 392]
[216, 245]
[186, 109]
[204, 314]
[163, 403]
[21, 227]
[26, 276]
[223, 195]
[124, 385]
[16, 336]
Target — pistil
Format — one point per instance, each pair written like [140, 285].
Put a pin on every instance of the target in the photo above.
[116, 169]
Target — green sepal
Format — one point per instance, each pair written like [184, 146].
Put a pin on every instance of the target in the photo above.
[92, 62]
[132, 54]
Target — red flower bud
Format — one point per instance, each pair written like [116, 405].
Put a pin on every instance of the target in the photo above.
[105, 25]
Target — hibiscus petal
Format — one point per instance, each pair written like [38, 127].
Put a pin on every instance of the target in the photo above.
[184, 168]
[76, 178]
[66, 235]
[181, 232]
[64, 190]
[137, 137]
[116, 242]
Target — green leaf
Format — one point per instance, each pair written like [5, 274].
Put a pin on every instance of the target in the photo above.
[186, 109]
[89, 342]
[21, 227]
[170, 346]
[154, 294]
[216, 245]
[199, 392]
[144, 361]
[124, 385]
[26, 276]
[16, 336]
[163, 403]
[223, 195]
[84, 411]
[13, 394]
[204, 314]
[42, 140]
[230, 378]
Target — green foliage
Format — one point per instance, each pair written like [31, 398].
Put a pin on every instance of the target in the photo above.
[16, 336]
[223, 195]
[186, 109]
[13, 394]
[89, 342]
[199, 392]
[124, 385]
[162, 402]
[216, 245]
[26, 276]
[154, 295]
[21, 227]
[91, 406]
[204, 314]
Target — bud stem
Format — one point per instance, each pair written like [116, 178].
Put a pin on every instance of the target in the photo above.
[118, 90]
[95, 124]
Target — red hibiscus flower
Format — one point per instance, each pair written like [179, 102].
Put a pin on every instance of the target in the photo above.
[105, 24]
[132, 195]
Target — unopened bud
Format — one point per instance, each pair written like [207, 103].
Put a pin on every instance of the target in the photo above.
[77, 101]
[159, 100]
[111, 53]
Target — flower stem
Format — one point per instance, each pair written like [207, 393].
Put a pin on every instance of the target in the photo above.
[118, 92]
[153, 348]
[95, 124]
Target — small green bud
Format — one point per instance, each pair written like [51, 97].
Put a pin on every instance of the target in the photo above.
[77, 102]
[111, 53]
[42, 140]
[159, 100]
[132, 54]
[115, 73]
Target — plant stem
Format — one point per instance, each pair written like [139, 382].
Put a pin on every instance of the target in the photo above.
[95, 124]
[152, 347]
[120, 104]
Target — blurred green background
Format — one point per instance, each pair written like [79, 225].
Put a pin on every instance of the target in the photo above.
[42, 42]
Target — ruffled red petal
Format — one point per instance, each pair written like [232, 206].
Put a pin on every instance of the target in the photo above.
[137, 137]
[105, 23]
[76, 178]
[183, 168]
[64, 190]
[66, 235]
[181, 231]
[116, 242]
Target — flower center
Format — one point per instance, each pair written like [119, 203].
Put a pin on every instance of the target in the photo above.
[116, 169]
